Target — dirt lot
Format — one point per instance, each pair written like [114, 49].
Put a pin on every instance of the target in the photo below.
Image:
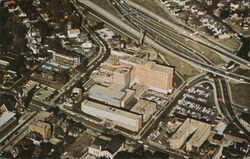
[105, 4]
[210, 54]
[241, 94]
[231, 43]
[185, 69]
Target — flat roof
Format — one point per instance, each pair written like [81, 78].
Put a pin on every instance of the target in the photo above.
[162, 68]
[129, 92]
[5, 117]
[112, 59]
[109, 143]
[80, 146]
[67, 53]
[132, 60]
[142, 106]
[112, 91]
[40, 123]
[115, 110]
[189, 127]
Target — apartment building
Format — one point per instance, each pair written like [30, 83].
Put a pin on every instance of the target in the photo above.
[128, 120]
[71, 59]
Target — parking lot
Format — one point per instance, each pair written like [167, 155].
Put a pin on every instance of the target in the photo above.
[28, 86]
[164, 131]
[43, 92]
[156, 97]
[197, 102]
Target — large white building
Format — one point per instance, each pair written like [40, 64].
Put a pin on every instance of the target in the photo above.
[116, 116]
[200, 132]
[67, 59]
[112, 95]
[133, 70]
[145, 108]
[7, 122]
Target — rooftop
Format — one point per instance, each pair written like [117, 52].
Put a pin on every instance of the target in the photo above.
[68, 53]
[126, 60]
[40, 123]
[80, 146]
[87, 104]
[5, 117]
[142, 105]
[109, 143]
[109, 91]
[162, 68]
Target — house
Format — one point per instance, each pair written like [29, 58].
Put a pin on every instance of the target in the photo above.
[73, 33]
[106, 146]
[7, 3]
[181, 2]
[234, 7]
[3, 109]
[209, 2]
[87, 45]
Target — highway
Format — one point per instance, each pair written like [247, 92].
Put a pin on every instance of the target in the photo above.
[226, 107]
[97, 127]
[230, 110]
[181, 23]
[193, 59]
[144, 22]
[155, 30]
[117, 23]
[131, 36]
[187, 33]
[175, 97]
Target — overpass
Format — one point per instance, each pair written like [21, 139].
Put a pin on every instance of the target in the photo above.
[128, 30]
[219, 50]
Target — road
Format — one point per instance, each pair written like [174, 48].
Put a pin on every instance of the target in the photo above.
[172, 153]
[175, 97]
[37, 106]
[230, 110]
[117, 23]
[103, 54]
[155, 30]
[222, 90]
[226, 107]
[145, 22]
[187, 33]
[24, 78]
[19, 132]
[99, 128]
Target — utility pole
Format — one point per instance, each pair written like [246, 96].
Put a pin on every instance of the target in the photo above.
[142, 36]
